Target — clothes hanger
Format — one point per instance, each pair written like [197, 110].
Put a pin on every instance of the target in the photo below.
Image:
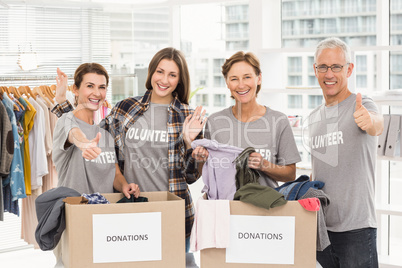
[21, 90]
[8, 94]
[45, 94]
[49, 94]
[35, 92]
[2, 92]
[6, 90]
[16, 95]
[28, 89]
[15, 92]
[53, 90]
[39, 91]
[16, 108]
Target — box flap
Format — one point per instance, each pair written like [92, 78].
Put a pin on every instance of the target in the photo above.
[75, 200]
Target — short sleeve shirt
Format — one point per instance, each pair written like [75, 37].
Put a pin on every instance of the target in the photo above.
[76, 172]
[270, 135]
[146, 150]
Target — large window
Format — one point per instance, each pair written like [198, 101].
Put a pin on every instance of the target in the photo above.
[220, 100]
[377, 68]
[202, 99]
[295, 101]
[314, 101]
[35, 40]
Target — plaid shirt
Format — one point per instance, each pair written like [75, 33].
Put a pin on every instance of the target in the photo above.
[182, 167]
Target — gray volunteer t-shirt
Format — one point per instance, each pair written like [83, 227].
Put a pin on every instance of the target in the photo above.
[343, 157]
[270, 135]
[146, 150]
[74, 171]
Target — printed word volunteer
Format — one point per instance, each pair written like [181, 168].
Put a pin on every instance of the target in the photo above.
[326, 140]
[104, 158]
[147, 135]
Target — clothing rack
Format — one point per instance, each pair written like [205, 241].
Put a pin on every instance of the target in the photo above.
[29, 78]
[49, 77]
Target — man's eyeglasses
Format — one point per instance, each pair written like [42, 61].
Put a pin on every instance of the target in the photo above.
[336, 68]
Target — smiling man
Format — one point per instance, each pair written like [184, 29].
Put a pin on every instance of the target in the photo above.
[347, 166]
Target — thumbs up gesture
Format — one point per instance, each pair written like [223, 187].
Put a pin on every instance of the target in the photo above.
[89, 148]
[362, 116]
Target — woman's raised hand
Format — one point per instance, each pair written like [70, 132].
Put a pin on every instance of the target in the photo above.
[193, 125]
[61, 86]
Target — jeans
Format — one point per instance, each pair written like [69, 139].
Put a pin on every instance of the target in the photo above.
[354, 249]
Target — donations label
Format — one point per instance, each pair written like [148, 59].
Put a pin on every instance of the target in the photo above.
[261, 239]
[127, 237]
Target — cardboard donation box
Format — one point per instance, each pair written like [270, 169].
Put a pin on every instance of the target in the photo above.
[149, 234]
[284, 236]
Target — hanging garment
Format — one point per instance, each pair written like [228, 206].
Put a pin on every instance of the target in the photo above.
[48, 134]
[37, 149]
[6, 152]
[9, 205]
[211, 227]
[21, 121]
[293, 190]
[18, 115]
[29, 219]
[16, 176]
[21, 110]
[52, 176]
[27, 125]
[51, 216]
[1, 201]
[219, 171]
[6, 142]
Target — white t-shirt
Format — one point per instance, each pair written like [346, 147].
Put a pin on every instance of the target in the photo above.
[37, 150]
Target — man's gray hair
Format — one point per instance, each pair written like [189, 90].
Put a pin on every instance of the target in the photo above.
[333, 42]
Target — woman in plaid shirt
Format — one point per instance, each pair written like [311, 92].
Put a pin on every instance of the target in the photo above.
[153, 133]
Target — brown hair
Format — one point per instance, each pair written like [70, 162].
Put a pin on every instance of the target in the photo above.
[87, 68]
[183, 87]
[240, 56]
